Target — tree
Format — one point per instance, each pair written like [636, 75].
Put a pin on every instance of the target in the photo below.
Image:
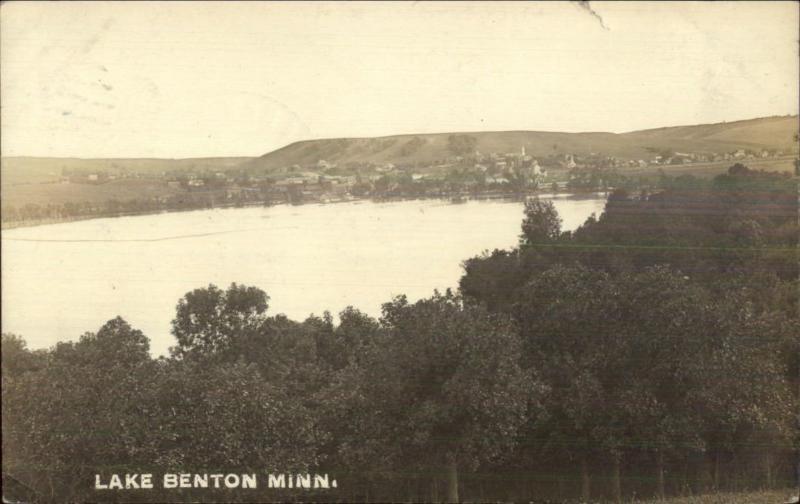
[216, 324]
[445, 389]
[87, 415]
[541, 223]
[102, 404]
[563, 316]
[226, 415]
[706, 374]
[745, 399]
[493, 278]
[16, 358]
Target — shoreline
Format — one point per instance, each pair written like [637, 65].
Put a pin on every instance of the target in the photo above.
[455, 199]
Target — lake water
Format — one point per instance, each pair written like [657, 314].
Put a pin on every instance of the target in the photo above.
[61, 280]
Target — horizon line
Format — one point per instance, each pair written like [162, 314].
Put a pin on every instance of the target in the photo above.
[461, 132]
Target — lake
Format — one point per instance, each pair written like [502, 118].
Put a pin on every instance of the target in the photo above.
[61, 280]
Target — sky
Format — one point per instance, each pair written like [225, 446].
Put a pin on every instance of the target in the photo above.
[193, 79]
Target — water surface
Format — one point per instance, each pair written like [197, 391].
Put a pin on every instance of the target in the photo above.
[61, 280]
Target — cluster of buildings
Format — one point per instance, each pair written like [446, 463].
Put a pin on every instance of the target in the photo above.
[689, 157]
[515, 164]
[325, 181]
[99, 177]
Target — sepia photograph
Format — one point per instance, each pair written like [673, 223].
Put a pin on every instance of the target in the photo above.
[400, 251]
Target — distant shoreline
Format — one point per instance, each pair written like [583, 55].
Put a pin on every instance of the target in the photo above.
[7, 226]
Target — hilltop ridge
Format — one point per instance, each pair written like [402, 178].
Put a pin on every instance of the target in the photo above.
[772, 133]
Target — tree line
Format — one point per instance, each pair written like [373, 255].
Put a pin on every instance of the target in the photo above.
[654, 351]
[112, 207]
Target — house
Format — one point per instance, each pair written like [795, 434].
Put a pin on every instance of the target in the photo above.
[290, 181]
[538, 170]
[233, 191]
[496, 180]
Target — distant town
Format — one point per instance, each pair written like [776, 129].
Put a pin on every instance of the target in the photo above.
[469, 173]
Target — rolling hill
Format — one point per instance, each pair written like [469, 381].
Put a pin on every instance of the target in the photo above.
[755, 134]
[35, 170]
[35, 180]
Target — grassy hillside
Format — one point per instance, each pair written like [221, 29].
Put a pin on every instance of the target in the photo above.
[426, 148]
[763, 133]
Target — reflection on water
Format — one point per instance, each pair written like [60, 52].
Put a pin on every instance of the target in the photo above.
[62, 280]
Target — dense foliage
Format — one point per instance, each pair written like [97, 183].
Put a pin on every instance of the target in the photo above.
[653, 351]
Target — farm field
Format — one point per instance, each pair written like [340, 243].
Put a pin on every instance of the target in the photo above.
[783, 164]
[57, 193]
